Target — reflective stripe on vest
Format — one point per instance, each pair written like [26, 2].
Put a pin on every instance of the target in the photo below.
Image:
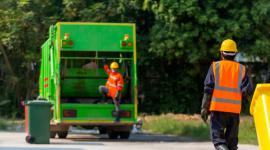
[113, 77]
[112, 84]
[227, 99]
[121, 85]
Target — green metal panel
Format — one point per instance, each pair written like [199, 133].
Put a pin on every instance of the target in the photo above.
[79, 72]
[77, 87]
[95, 112]
[47, 84]
[41, 94]
[45, 70]
[133, 81]
[96, 37]
[57, 97]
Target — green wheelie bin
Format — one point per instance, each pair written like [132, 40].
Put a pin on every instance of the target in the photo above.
[37, 121]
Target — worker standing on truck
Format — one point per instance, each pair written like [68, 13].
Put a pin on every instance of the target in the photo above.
[225, 83]
[113, 86]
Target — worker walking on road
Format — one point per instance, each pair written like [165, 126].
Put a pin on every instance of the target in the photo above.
[225, 83]
[114, 86]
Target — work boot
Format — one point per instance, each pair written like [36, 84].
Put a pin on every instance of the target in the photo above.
[103, 99]
[118, 115]
[222, 147]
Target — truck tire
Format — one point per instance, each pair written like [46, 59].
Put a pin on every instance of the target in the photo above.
[102, 130]
[62, 134]
[124, 134]
[112, 134]
[52, 134]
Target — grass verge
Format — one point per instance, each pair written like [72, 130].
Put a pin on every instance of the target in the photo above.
[10, 124]
[196, 129]
[247, 133]
[3, 124]
[192, 128]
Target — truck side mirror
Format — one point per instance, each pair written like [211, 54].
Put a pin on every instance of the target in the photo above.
[33, 66]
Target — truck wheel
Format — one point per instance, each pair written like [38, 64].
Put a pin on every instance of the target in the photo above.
[30, 139]
[124, 134]
[62, 134]
[102, 130]
[112, 134]
[52, 134]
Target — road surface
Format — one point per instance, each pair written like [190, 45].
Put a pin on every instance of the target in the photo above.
[86, 141]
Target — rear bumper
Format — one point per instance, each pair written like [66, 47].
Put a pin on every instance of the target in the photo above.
[95, 123]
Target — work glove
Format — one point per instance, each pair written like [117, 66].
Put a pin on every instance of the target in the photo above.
[205, 106]
[104, 61]
[117, 96]
[204, 114]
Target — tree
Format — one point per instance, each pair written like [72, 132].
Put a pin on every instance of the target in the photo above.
[186, 38]
[24, 28]
[176, 42]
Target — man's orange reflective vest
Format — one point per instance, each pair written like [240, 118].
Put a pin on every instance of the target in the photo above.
[227, 94]
[115, 82]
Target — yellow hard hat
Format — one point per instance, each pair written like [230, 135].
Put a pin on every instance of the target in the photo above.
[229, 46]
[114, 65]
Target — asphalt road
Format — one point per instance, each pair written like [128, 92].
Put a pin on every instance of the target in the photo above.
[86, 141]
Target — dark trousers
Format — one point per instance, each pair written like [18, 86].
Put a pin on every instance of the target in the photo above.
[224, 120]
[106, 90]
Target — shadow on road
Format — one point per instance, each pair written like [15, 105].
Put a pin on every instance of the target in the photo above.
[80, 138]
[78, 142]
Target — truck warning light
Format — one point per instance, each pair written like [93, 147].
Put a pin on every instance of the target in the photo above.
[66, 42]
[126, 43]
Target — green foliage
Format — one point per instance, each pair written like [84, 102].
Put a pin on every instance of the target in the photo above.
[186, 38]
[4, 102]
[24, 28]
[176, 42]
[194, 29]
[3, 124]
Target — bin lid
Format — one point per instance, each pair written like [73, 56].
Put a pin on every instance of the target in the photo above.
[39, 102]
[260, 89]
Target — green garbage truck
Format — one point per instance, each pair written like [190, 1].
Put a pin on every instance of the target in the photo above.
[71, 72]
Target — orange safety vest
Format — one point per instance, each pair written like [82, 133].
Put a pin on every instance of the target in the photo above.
[115, 82]
[227, 95]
